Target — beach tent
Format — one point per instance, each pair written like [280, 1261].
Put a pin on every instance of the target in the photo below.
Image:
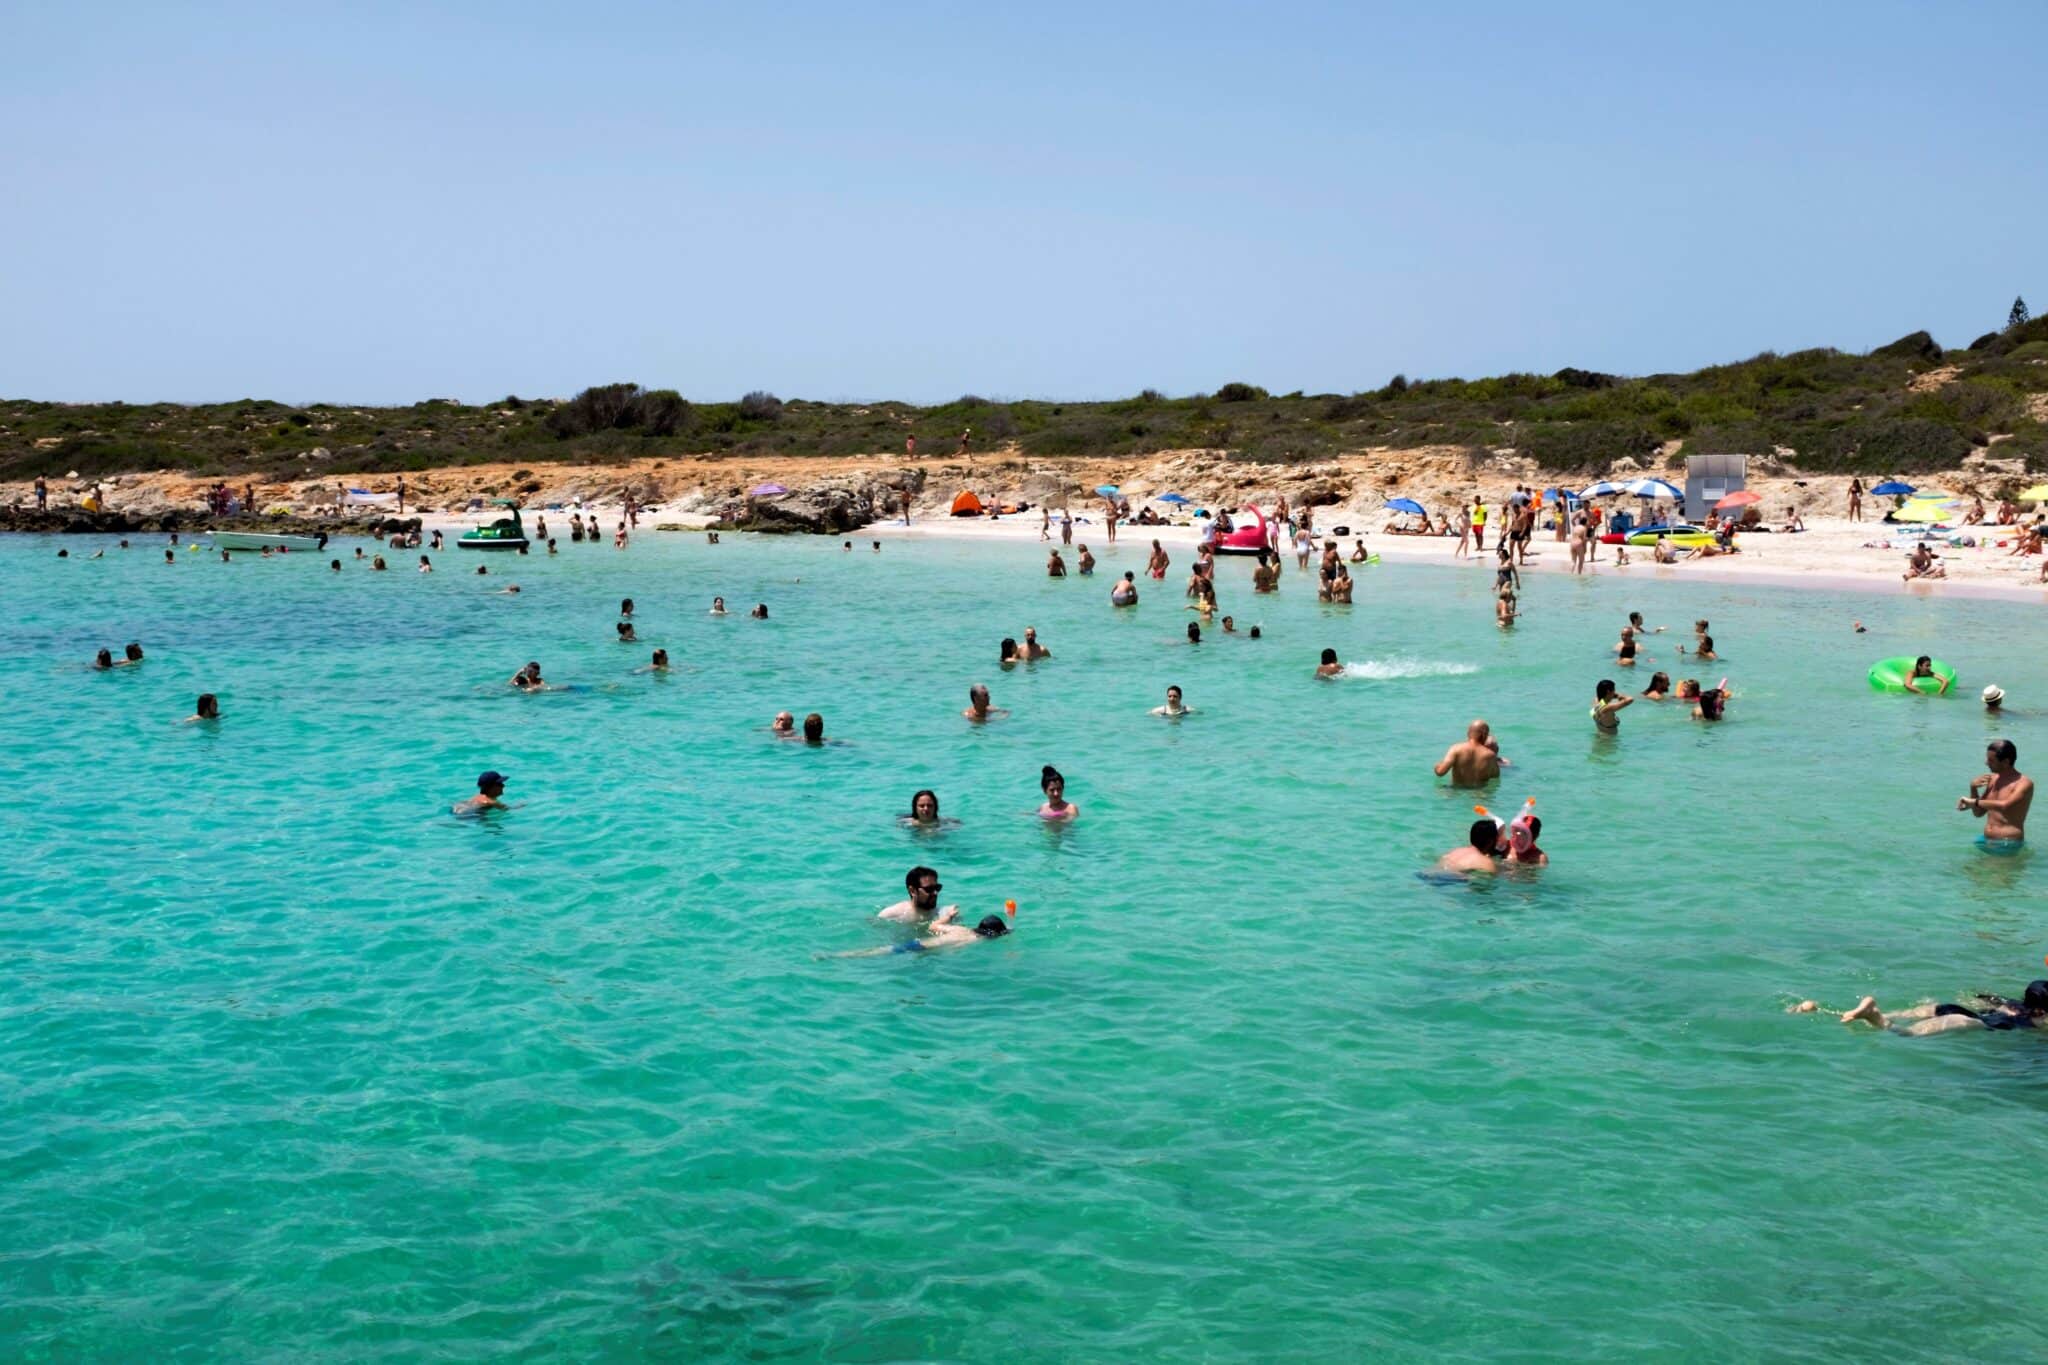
[965, 504]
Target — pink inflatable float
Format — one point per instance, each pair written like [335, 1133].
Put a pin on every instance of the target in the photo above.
[1248, 538]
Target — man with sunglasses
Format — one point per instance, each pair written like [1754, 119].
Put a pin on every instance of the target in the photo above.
[923, 885]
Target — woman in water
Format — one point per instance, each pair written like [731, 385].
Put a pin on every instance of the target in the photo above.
[1606, 702]
[659, 663]
[924, 810]
[209, 708]
[1008, 654]
[718, 606]
[626, 608]
[1923, 667]
[426, 565]
[104, 659]
[1988, 1012]
[1194, 632]
[626, 635]
[1056, 806]
[1711, 702]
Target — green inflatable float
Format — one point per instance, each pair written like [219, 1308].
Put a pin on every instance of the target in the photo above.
[1889, 675]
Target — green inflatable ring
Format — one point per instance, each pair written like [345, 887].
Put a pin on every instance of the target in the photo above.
[1889, 675]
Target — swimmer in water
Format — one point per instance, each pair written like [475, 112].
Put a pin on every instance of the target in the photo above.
[923, 885]
[379, 565]
[1031, 651]
[133, 654]
[489, 788]
[626, 635]
[1157, 564]
[1230, 625]
[1518, 841]
[924, 811]
[946, 932]
[1174, 708]
[1478, 853]
[334, 565]
[1923, 667]
[1087, 562]
[1606, 702]
[1505, 609]
[104, 659]
[1009, 654]
[1194, 632]
[1055, 567]
[1711, 703]
[1125, 593]
[1994, 698]
[814, 729]
[760, 611]
[1993, 1012]
[1475, 760]
[481, 569]
[2001, 797]
[208, 709]
[1659, 688]
[626, 608]
[1329, 667]
[659, 663]
[1635, 623]
[718, 606]
[528, 678]
[978, 710]
[783, 726]
[426, 565]
[1056, 806]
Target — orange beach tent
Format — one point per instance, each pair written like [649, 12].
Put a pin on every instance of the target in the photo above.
[966, 504]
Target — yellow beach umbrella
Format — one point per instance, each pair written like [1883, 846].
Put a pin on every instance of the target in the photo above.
[1925, 509]
[2038, 493]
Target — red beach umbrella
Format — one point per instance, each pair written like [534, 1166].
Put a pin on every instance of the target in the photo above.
[1741, 499]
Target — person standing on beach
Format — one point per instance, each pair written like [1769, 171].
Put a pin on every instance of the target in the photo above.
[1579, 538]
[1111, 514]
[1045, 523]
[42, 494]
[1856, 499]
[1464, 531]
[1066, 527]
[1478, 525]
[401, 495]
[2001, 797]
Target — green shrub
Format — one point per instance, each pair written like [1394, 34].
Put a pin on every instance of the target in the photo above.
[1241, 393]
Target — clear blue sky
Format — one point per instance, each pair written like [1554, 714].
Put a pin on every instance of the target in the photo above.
[386, 202]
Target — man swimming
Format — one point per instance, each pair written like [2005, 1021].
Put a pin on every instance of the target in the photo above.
[814, 729]
[923, 885]
[1477, 855]
[2001, 797]
[978, 710]
[1174, 708]
[946, 932]
[1475, 761]
[1993, 1012]
[783, 726]
[489, 788]
[1329, 667]
[1125, 593]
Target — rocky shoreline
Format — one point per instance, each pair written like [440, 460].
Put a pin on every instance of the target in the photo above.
[78, 521]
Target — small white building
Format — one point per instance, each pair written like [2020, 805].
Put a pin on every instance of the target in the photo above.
[1710, 478]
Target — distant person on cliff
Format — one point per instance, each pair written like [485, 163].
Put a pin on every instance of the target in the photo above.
[401, 495]
[966, 438]
[42, 494]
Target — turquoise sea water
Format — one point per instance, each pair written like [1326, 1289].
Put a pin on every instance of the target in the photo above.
[297, 1066]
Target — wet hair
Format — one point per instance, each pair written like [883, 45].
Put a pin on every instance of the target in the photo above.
[660, 656]
[1706, 644]
[1049, 775]
[1255, 633]
[1127, 576]
[1700, 625]
[1603, 689]
[1174, 687]
[626, 606]
[1329, 655]
[977, 692]
[625, 628]
[2036, 997]
[991, 926]
[1922, 662]
[917, 874]
[1009, 648]
[1484, 835]
[103, 659]
[915, 797]
[134, 650]
[1688, 689]
[209, 705]
[1194, 632]
[1635, 618]
[1628, 649]
[814, 726]
[1660, 681]
[1711, 702]
[2006, 750]
[1535, 827]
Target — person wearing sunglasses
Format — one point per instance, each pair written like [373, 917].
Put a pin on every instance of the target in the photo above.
[923, 903]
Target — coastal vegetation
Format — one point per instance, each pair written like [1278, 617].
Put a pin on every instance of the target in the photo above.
[1906, 407]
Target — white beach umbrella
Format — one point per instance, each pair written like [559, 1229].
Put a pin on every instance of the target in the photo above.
[1654, 488]
[1602, 489]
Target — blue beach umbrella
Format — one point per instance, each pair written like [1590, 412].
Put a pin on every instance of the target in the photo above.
[1106, 489]
[1892, 489]
[1406, 505]
[1654, 488]
[1176, 499]
[1602, 489]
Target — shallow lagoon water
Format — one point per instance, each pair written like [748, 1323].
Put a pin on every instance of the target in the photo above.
[298, 1066]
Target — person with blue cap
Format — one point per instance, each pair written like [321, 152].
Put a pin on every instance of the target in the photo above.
[489, 788]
